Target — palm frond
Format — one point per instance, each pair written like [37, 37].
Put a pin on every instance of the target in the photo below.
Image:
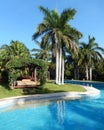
[67, 15]
[35, 50]
[42, 28]
[45, 11]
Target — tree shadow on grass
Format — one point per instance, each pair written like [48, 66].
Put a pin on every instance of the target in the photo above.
[39, 90]
[5, 85]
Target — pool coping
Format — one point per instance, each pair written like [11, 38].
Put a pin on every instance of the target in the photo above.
[17, 100]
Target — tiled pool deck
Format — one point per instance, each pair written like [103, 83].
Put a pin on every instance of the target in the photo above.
[6, 102]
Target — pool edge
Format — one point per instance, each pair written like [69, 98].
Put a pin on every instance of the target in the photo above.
[7, 102]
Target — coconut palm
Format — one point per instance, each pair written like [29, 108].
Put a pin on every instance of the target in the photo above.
[56, 30]
[74, 60]
[42, 53]
[19, 49]
[90, 53]
[15, 50]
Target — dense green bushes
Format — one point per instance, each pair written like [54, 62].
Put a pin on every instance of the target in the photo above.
[15, 68]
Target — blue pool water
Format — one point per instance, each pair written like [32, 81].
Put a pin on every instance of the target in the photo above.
[81, 114]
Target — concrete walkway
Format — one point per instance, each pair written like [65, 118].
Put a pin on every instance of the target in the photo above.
[6, 102]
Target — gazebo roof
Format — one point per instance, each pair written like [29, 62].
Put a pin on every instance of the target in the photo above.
[24, 62]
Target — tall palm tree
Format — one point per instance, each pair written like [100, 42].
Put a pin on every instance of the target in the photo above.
[90, 53]
[74, 60]
[55, 29]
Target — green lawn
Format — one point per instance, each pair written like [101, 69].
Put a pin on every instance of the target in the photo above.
[5, 92]
[48, 88]
[51, 87]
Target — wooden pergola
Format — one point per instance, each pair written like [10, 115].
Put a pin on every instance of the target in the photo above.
[30, 66]
[29, 80]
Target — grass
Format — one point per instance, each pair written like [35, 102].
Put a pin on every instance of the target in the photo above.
[52, 88]
[5, 92]
[47, 88]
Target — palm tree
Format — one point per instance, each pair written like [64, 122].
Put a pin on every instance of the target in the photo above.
[90, 53]
[56, 30]
[19, 49]
[14, 51]
[42, 53]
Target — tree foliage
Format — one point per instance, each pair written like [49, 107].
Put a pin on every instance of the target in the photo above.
[15, 58]
[56, 30]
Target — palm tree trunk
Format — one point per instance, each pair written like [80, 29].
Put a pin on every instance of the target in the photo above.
[57, 65]
[60, 65]
[62, 70]
[75, 75]
[90, 73]
[87, 77]
[35, 78]
[78, 74]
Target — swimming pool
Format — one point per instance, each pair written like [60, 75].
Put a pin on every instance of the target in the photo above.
[80, 114]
